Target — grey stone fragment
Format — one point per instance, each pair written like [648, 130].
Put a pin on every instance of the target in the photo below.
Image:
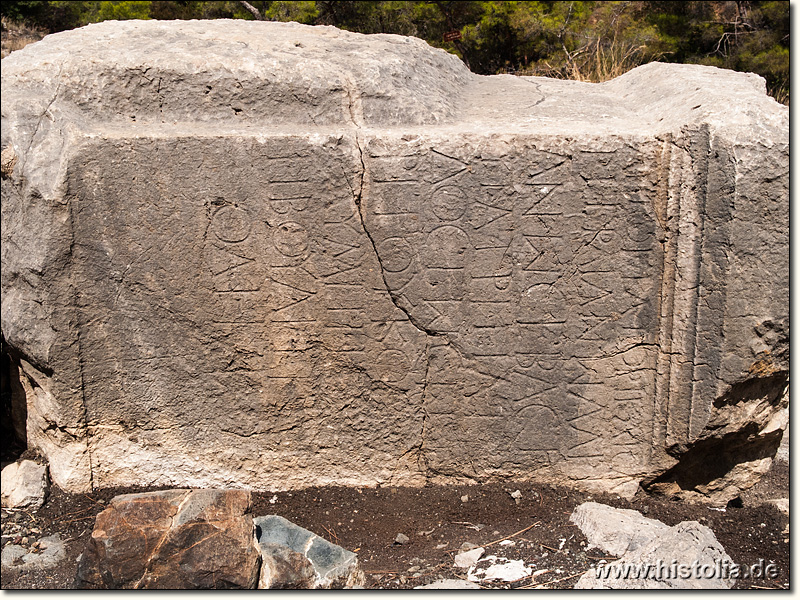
[449, 584]
[24, 485]
[301, 229]
[401, 539]
[692, 547]
[296, 557]
[284, 569]
[12, 555]
[615, 530]
[51, 552]
[783, 449]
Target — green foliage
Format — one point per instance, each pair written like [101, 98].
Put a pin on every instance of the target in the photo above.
[590, 41]
[301, 12]
[121, 11]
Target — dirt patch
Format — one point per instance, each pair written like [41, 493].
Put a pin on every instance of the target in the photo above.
[437, 522]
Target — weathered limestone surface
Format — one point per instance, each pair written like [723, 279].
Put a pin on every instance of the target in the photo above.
[24, 485]
[701, 563]
[615, 530]
[262, 254]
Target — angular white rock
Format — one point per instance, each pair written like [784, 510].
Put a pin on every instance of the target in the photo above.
[24, 485]
[615, 530]
[465, 560]
[499, 569]
[685, 544]
[449, 584]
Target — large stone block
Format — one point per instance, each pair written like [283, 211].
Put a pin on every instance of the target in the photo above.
[274, 255]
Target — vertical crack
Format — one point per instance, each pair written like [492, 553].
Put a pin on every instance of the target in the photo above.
[424, 407]
[355, 112]
[392, 296]
[160, 100]
[79, 341]
[26, 154]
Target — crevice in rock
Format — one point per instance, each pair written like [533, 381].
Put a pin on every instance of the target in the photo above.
[538, 87]
[14, 407]
[78, 326]
[356, 117]
[738, 432]
[714, 458]
[415, 322]
[418, 450]
[167, 531]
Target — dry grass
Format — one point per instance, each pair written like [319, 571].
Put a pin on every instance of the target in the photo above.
[15, 36]
[781, 94]
[597, 61]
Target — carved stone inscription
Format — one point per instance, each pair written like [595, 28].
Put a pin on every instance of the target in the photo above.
[502, 308]
[248, 313]
[536, 271]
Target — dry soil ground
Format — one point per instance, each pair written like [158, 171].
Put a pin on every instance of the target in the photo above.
[437, 522]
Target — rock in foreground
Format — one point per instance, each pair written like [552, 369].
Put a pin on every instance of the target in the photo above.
[653, 556]
[49, 552]
[274, 256]
[449, 584]
[615, 530]
[175, 539]
[687, 556]
[24, 485]
[295, 558]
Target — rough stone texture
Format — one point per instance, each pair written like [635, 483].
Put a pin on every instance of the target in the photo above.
[295, 558]
[51, 552]
[685, 544]
[782, 504]
[783, 449]
[615, 530]
[24, 485]
[264, 254]
[284, 569]
[175, 539]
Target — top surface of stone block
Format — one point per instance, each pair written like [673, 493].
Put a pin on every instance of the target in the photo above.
[238, 73]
